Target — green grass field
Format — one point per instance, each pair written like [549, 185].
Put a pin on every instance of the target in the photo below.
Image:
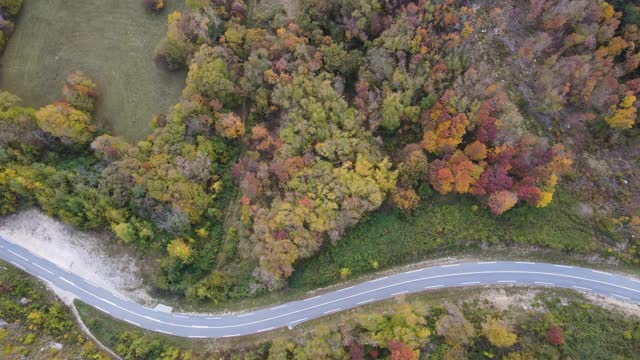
[444, 225]
[111, 40]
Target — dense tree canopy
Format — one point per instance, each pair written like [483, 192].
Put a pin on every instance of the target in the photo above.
[321, 118]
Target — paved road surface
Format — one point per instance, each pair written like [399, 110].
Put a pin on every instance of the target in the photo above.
[296, 312]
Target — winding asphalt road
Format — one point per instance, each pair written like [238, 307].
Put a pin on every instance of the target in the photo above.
[296, 312]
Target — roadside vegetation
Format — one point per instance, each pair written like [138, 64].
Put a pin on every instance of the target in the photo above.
[447, 226]
[39, 325]
[314, 145]
[452, 324]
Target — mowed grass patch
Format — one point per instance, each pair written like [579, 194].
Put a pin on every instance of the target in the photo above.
[442, 226]
[110, 40]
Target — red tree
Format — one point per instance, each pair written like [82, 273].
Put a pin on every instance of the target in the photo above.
[555, 335]
[401, 351]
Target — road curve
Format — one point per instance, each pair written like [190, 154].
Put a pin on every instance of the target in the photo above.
[296, 312]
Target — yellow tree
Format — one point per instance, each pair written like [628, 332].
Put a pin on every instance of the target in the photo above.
[624, 115]
[499, 333]
[179, 249]
[62, 120]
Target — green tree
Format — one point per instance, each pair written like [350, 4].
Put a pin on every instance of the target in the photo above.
[341, 61]
[210, 77]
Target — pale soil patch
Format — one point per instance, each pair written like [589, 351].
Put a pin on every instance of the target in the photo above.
[520, 298]
[514, 296]
[84, 254]
[611, 303]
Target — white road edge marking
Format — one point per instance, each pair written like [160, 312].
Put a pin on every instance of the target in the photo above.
[162, 331]
[101, 309]
[297, 321]
[18, 266]
[418, 280]
[180, 316]
[525, 262]
[543, 283]
[132, 323]
[366, 301]
[452, 265]
[581, 288]
[470, 283]
[212, 318]
[400, 292]
[345, 289]
[434, 286]
[200, 336]
[267, 329]
[331, 311]
[232, 335]
[620, 296]
[243, 315]
[379, 279]
[563, 266]
[487, 262]
[273, 308]
[506, 281]
[602, 272]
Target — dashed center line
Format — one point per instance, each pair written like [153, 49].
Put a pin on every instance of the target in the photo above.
[43, 268]
[398, 282]
[67, 281]
[21, 257]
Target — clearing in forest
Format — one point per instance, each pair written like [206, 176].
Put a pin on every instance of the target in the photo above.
[110, 40]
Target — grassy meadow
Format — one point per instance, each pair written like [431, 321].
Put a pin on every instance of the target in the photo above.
[110, 40]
